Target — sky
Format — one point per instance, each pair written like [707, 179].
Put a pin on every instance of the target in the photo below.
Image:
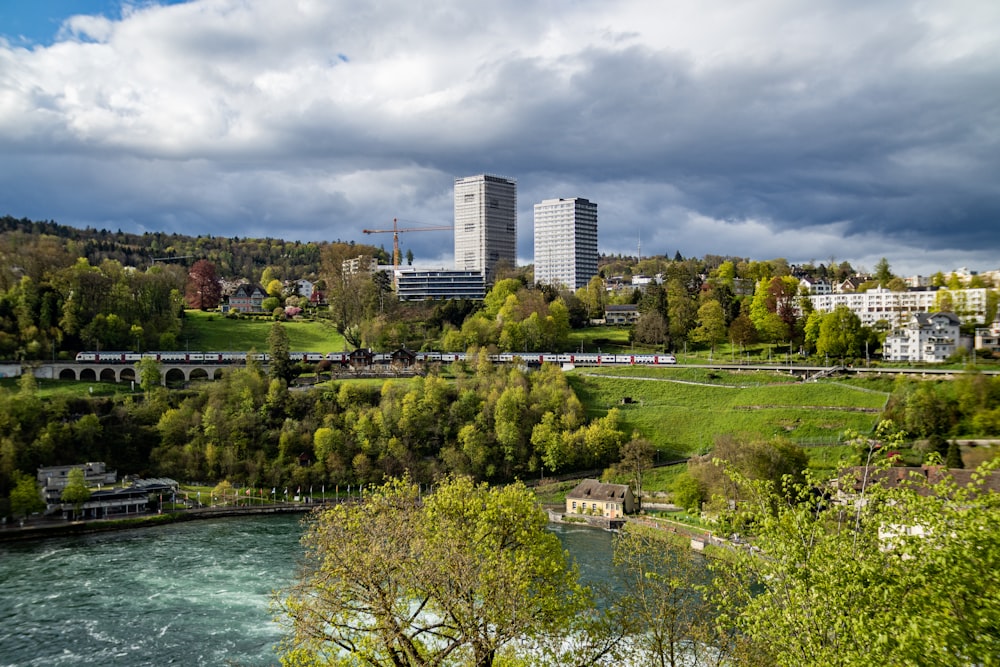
[819, 131]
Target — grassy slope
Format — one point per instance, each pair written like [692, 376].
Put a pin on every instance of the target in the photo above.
[49, 389]
[211, 331]
[682, 411]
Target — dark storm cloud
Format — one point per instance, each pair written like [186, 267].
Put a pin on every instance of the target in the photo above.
[765, 129]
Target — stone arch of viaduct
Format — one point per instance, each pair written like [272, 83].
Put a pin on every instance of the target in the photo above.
[170, 374]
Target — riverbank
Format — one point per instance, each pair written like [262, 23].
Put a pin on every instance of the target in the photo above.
[42, 529]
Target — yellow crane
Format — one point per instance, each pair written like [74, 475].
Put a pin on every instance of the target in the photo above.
[396, 231]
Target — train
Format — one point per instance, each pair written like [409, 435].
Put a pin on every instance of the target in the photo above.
[380, 358]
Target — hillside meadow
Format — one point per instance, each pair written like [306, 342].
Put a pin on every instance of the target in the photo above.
[203, 331]
[682, 410]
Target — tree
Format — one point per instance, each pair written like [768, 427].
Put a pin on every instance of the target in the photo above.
[148, 370]
[454, 578]
[890, 575]
[277, 347]
[665, 607]
[203, 291]
[651, 329]
[711, 328]
[953, 458]
[274, 288]
[637, 457]
[24, 497]
[75, 492]
[840, 333]
[883, 273]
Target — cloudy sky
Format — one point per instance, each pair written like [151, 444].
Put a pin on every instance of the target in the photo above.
[843, 129]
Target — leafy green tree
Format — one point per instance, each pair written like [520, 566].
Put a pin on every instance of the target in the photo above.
[148, 370]
[953, 458]
[711, 328]
[455, 578]
[25, 497]
[688, 492]
[883, 272]
[274, 288]
[840, 333]
[280, 365]
[891, 575]
[76, 491]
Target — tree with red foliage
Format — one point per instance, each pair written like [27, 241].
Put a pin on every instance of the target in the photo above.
[203, 288]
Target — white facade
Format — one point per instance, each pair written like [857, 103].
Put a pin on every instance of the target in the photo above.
[818, 286]
[565, 242]
[989, 339]
[897, 308]
[485, 223]
[305, 288]
[929, 337]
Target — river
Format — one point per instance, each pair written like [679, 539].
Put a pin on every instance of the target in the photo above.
[193, 593]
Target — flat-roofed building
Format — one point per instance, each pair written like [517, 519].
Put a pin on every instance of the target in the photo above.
[423, 284]
[485, 223]
[565, 242]
[897, 308]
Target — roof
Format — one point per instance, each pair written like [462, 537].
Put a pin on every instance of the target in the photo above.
[923, 477]
[592, 489]
[926, 319]
[248, 289]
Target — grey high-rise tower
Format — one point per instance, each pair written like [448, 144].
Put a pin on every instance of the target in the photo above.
[485, 223]
[565, 242]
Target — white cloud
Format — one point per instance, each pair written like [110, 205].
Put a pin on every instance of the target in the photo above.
[771, 128]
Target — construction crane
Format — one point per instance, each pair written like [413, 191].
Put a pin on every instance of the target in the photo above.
[396, 230]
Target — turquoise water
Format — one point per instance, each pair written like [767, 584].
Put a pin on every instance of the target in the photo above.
[182, 594]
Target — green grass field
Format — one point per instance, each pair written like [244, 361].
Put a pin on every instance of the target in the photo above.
[49, 389]
[682, 411]
[211, 331]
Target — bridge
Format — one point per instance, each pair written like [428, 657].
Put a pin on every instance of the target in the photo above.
[170, 373]
[173, 374]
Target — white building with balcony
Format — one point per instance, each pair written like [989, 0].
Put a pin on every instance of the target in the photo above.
[897, 308]
[928, 337]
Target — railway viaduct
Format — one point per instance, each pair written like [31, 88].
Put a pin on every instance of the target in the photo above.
[171, 373]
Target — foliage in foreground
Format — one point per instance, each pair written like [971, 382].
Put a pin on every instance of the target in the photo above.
[885, 575]
[450, 579]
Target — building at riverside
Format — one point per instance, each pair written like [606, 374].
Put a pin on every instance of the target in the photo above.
[565, 242]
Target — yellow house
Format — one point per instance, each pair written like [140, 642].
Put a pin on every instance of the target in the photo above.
[595, 498]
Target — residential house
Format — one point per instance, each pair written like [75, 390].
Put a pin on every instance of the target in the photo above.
[626, 314]
[849, 285]
[612, 501]
[929, 337]
[989, 339]
[816, 285]
[304, 288]
[246, 298]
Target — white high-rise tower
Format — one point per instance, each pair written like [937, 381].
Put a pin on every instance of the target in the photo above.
[565, 242]
[485, 223]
